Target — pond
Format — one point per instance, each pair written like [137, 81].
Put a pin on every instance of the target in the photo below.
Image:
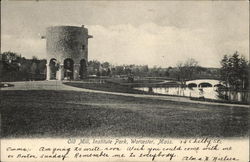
[200, 90]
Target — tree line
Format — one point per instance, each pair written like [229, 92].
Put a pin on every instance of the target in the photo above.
[14, 67]
[234, 71]
[184, 71]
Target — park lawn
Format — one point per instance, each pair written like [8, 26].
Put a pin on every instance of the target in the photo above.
[107, 86]
[41, 113]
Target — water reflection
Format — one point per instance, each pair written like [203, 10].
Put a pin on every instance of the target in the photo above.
[206, 92]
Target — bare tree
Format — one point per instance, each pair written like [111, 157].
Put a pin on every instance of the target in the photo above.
[187, 69]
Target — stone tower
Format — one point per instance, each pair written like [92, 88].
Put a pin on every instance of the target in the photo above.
[67, 52]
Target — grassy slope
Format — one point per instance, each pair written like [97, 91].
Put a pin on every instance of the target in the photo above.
[110, 87]
[69, 113]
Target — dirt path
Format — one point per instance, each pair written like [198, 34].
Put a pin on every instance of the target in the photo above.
[57, 85]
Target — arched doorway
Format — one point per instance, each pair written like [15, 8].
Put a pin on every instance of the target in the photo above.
[68, 65]
[53, 68]
[83, 69]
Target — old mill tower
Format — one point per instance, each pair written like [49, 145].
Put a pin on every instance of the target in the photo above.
[67, 52]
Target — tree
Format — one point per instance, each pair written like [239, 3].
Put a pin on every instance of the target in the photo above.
[33, 68]
[186, 70]
[108, 72]
[34, 59]
[234, 71]
[118, 70]
[105, 65]
[41, 67]
[94, 67]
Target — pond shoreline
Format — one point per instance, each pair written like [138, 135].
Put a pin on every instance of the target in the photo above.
[217, 101]
[111, 87]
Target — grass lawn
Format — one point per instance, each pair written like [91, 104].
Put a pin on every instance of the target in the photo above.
[110, 87]
[69, 113]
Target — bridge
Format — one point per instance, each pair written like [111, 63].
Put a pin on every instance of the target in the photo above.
[204, 83]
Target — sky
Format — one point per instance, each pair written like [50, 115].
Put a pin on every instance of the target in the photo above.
[154, 33]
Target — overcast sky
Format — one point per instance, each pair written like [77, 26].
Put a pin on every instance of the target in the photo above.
[160, 33]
